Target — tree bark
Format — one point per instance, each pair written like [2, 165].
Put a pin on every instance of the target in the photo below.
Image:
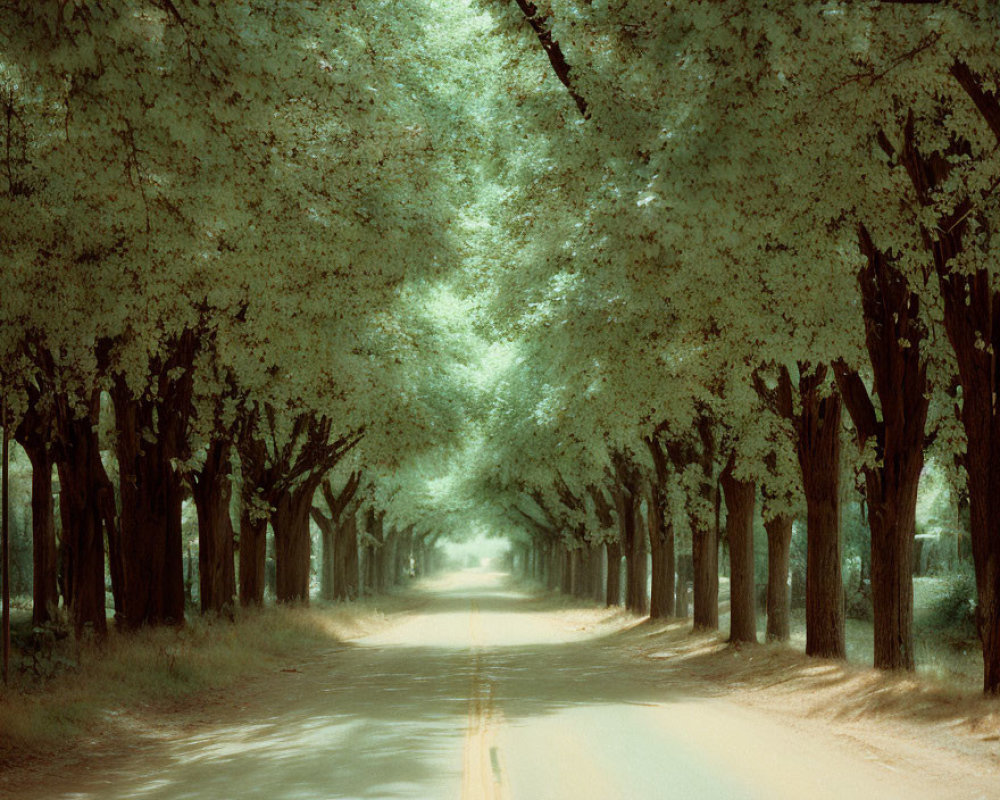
[152, 434]
[345, 564]
[212, 490]
[779, 540]
[818, 448]
[82, 481]
[661, 548]
[543, 30]
[292, 545]
[661, 536]
[705, 574]
[894, 337]
[253, 559]
[740, 498]
[635, 554]
[151, 497]
[613, 593]
[704, 536]
[45, 554]
[971, 306]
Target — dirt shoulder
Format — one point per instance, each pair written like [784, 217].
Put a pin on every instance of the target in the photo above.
[903, 721]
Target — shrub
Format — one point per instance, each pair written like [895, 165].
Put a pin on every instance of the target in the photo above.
[954, 610]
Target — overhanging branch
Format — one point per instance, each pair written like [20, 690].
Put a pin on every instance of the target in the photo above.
[540, 25]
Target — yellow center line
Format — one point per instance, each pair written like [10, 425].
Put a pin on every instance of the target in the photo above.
[482, 774]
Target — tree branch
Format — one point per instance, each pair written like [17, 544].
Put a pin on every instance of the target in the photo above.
[552, 49]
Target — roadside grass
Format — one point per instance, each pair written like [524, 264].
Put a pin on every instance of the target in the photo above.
[82, 686]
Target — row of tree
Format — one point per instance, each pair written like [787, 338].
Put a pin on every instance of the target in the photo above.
[216, 219]
[760, 228]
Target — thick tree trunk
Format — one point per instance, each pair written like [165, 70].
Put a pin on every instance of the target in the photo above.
[212, 491]
[345, 562]
[635, 554]
[740, 498]
[982, 463]
[894, 334]
[704, 535]
[661, 548]
[292, 546]
[150, 521]
[661, 535]
[892, 529]
[253, 559]
[613, 593]
[45, 555]
[971, 306]
[637, 575]
[819, 457]
[779, 540]
[705, 574]
[82, 481]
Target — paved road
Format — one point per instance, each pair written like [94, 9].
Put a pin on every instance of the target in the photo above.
[484, 693]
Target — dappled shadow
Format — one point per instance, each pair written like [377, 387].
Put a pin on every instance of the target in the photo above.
[387, 716]
[836, 690]
[385, 720]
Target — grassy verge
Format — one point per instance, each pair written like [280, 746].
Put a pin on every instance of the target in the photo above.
[77, 687]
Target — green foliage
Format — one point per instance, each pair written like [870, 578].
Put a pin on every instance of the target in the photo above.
[953, 610]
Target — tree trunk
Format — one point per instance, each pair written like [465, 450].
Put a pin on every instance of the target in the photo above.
[212, 491]
[894, 334]
[661, 535]
[704, 535]
[661, 548]
[740, 498]
[982, 463]
[150, 520]
[345, 562]
[705, 574]
[626, 502]
[779, 540]
[253, 558]
[637, 575]
[292, 545]
[81, 481]
[45, 555]
[819, 457]
[970, 305]
[613, 593]
[892, 528]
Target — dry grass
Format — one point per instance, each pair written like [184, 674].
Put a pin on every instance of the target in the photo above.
[943, 699]
[155, 669]
[949, 706]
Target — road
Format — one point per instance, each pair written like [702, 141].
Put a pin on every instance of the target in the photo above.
[485, 693]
